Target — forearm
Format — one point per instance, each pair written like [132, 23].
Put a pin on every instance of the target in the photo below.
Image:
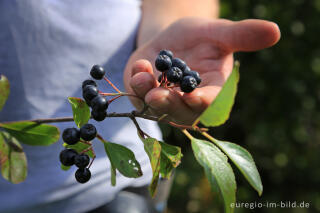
[158, 14]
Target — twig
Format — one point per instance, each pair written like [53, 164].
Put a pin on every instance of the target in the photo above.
[49, 120]
[134, 120]
[113, 114]
[187, 134]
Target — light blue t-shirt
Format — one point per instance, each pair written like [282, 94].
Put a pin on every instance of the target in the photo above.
[47, 48]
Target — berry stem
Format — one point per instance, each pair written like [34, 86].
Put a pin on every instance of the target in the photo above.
[86, 150]
[111, 84]
[109, 94]
[120, 94]
[86, 142]
[94, 157]
[114, 98]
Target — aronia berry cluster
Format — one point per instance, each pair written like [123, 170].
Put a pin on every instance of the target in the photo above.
[90, 93]
[176, 71]
[69, 157]
[87, 132]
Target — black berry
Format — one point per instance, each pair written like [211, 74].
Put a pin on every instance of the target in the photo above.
[167, 53]
[82, 160]
[88, 82]
[99, 103]
[83, 175]
[71, 136]
[67, 156]
[196, 75]
[188, 84]
[98, 115]
[88, 103]
[97, 72]
[163, 63]
[174, 75]
[177, 62]
[187, 71]
[89, 92]
[88, 132]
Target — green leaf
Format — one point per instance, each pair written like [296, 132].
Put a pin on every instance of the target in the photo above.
[12, 159]
[244, 161]
[80, 110]
[123, 159]
[79, 147]
[4, 90]
[217, 169]
[170, 158]
[219, 110]
[113, 175]
[153, 149]
[32, 133]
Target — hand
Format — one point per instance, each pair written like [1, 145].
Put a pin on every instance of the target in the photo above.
[207, 46]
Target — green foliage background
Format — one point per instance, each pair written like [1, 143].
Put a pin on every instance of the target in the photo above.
[276, 115]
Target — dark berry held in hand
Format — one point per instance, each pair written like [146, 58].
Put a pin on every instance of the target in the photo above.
[71, 136]
[81, 160]
[98, 115]
[83, 175]
[97, 72]
[174, 75]
[163, 63]
[167, 53]
[99, 103]
[88, 82]
[89, 92]
[88, 132]
[196, 75]
[67, 157]
[188, 84]
[177, 62]
[187, 71]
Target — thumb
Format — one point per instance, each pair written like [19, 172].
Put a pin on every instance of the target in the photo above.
[247, 35]
[142, 78]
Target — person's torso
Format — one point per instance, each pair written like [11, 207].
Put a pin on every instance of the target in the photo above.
[47, 48]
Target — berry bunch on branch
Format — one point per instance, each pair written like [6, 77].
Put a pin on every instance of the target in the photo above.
[210, 153]
[176, 71]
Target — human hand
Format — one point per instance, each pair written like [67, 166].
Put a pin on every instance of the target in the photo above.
[207, 46]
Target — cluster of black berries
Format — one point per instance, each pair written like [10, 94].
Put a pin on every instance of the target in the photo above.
[176, 71]
[69, 157]
[90, 93]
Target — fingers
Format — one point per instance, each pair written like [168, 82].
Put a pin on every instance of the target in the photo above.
[142, 80]
[247, 35]
[167, 101]
[161, 100]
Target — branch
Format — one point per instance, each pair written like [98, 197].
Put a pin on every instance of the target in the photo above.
[51, 120]
[133, 114]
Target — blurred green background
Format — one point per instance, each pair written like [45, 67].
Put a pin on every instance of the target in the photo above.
[276, 115]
